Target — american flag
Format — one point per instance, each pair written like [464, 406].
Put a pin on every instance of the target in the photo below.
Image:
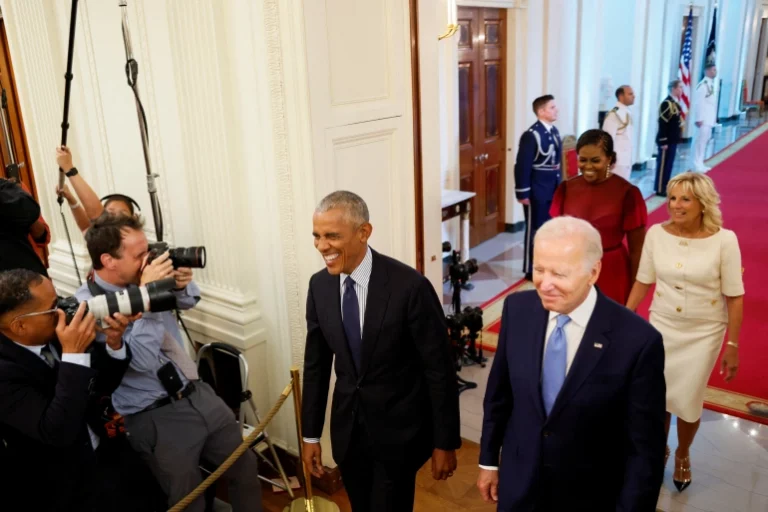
[684, 71]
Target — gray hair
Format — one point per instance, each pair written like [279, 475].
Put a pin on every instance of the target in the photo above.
[15, 288]
[673, 84]
[567, 226]
[354, 208]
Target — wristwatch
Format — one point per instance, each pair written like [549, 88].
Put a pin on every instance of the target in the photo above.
[71, 172]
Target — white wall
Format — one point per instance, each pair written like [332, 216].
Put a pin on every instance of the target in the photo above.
[618, 29]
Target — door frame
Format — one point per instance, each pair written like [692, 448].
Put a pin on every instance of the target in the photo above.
[417, 161]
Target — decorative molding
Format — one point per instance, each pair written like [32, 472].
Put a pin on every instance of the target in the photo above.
[213, 186]
[284, 182]
[91, 94]
[148, 99]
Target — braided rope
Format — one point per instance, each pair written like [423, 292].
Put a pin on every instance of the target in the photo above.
[200, 489]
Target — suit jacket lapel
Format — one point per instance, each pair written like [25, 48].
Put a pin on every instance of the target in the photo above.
[593, 345]
[332, 313]
[11, 351]
[539, 323]
[375, 308]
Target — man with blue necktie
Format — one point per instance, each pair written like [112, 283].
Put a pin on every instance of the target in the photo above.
[396, 401]
[537, 171]
[575, 402]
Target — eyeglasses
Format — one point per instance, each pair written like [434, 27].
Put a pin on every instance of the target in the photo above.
[27, 315]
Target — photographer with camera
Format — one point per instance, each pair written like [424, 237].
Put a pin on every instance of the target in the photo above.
[173, 420]
[21, 227]
[49, 373]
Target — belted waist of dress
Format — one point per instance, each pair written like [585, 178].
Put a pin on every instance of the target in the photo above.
[545, 167]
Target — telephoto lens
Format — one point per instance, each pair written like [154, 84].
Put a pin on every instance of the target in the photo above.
[188, 257]
[156, 296]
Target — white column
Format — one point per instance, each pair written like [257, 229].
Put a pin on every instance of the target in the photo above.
[562, 60]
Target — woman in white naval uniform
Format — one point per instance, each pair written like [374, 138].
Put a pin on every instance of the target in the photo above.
[696, 265]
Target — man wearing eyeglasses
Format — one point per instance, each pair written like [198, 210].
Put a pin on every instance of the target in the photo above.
[46, 380]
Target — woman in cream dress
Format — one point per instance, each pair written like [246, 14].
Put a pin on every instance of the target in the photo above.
[696, 265]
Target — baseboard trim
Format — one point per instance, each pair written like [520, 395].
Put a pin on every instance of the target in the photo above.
[514, 228]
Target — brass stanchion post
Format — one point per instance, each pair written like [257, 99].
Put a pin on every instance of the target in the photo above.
[309, 503]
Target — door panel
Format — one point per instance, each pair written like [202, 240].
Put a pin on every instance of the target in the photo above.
[481, 70]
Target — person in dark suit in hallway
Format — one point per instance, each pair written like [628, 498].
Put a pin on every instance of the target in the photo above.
[395, 403]
[537, 172]
[47, 377]
[575, 402]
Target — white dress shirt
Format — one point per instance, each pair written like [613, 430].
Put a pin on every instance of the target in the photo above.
[361, 276]
[82, 360]
[574, 332]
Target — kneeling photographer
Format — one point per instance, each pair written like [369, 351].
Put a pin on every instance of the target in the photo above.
[172, 419]
[49, 374]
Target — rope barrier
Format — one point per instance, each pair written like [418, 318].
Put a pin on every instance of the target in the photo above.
[246, 444]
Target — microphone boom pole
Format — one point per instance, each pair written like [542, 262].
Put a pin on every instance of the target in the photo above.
[65, 126]
[67, 89]
[131, 72]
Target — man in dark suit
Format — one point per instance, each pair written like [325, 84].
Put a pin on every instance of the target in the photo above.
[576, 395]
[537, 171]
[46, 382]
[396, 401]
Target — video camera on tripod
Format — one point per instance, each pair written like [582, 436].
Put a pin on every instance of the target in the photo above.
[464, 326]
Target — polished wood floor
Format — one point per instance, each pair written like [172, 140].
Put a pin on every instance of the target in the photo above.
[458, 493]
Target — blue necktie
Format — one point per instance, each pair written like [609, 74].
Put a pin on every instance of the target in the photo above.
[555, 358]
[350, 310]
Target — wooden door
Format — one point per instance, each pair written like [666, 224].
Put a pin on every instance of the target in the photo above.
[15, 125]
[482, 71]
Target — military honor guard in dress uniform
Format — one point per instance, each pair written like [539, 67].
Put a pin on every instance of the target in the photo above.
[705, 108]
[537, 172]
[619, 125]
[668, 136]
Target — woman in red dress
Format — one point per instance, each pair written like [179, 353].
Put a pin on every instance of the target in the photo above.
[612, 205]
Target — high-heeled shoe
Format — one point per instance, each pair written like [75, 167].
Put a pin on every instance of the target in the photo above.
[666, 457]
[682, 476]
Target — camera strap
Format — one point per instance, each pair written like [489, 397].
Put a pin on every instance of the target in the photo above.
[94, 288]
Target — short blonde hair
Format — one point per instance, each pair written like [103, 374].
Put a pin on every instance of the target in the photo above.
[702, 188]
[566, 226]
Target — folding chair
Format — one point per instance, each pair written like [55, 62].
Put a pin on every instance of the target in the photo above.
[225, 369]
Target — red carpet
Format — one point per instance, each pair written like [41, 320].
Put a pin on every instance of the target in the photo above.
[742, 181]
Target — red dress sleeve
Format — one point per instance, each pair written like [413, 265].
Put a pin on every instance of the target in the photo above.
[635, 212]
[558, 201]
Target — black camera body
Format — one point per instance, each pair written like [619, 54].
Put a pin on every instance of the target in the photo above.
[460, 272]
[188, 257]
[69, 305]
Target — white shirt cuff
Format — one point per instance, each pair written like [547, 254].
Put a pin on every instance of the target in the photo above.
[117, 354]
[489, 468]
[81, 359]
[311, 440]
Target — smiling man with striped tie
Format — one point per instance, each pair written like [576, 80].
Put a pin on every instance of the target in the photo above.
[574, 407]
[396, 402]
